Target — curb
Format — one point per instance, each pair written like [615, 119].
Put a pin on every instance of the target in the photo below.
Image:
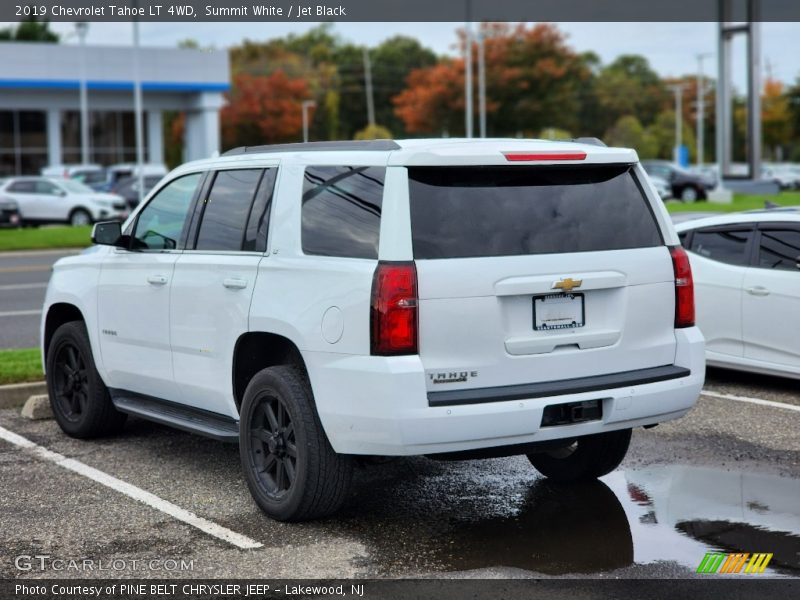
[15, 395]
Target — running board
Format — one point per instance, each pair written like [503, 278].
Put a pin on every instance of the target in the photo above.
[186, 418]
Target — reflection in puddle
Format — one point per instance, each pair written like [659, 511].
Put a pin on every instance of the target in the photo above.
[677, 513]
[558, 529]
[671, 513]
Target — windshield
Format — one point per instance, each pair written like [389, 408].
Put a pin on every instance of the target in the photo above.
[76, 187]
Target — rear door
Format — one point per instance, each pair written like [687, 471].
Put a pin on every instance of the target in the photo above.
[213, 284]
[23, 191]
[771, 299]
[538, 273]
[719, 257]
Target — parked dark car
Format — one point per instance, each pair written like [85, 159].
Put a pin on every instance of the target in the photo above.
[128, 188]
[686, 186]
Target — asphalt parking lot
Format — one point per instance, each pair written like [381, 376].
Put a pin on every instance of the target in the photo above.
[23, 281]
[724, 478]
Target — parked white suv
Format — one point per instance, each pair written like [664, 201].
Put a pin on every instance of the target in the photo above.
[452, 298]
[43, 200]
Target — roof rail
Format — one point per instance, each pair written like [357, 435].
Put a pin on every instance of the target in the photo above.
[352, 145]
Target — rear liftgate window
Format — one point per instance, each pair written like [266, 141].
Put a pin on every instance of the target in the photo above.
[459, 212]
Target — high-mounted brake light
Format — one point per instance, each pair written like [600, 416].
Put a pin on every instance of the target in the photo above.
[684, 287]
[545, 155]
[394, 309]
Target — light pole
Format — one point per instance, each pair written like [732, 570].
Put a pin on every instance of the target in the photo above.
[81, 29]
[481, 84]
[137, 108]
[701, 107]
[306, 105]
[368, 85]
[678, 89]
[468, 78]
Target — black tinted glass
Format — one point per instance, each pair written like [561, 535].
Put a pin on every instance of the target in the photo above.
[342, 211]
[25, 187]
[255, 237]
[779, 249]
[726, 246]
[461, 212]
[227, 209]
[160, 224]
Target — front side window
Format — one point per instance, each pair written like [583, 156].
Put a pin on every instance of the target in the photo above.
[342, 211]
[161, 222]
[724, 245]
[779, 249]
[227, 209]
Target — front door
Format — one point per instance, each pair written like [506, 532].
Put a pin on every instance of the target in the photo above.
[134, 294]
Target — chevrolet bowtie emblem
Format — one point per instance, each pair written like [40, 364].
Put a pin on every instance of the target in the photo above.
[567, 285]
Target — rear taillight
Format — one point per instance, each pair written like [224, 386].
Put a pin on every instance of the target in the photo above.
[394, 309]
[684, 287]
[544, 155]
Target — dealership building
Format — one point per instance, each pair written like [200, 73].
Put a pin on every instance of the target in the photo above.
[40, 102]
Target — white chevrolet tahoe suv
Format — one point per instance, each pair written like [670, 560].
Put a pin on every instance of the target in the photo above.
[317, 302]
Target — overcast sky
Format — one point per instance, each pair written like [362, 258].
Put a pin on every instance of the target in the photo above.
[670, 47]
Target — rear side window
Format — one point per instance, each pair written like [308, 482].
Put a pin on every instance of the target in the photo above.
[723, 245]
[779, 249]
[22, 187]
[227, 209]
[342, 211]
[459, 212]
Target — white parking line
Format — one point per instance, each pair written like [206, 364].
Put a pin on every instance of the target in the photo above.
[23, 286]
[151, 500]
[758, 401]
[20, 313]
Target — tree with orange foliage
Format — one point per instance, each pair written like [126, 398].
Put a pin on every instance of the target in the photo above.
[776, 118]
[534, 80]
[263, 110]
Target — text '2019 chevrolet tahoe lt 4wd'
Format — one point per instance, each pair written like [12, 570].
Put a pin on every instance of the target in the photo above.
[315, 302]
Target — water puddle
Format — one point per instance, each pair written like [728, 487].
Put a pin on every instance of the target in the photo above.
[634, 517]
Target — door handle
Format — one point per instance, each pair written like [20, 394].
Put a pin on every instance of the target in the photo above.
[233, 283]
[757, 291]
[156, 279]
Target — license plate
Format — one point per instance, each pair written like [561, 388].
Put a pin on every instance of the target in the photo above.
[558, 311]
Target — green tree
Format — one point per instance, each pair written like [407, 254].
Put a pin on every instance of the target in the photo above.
[628, 132]
[29, 30]
[662, 132]
[628, 86]
[373, 132]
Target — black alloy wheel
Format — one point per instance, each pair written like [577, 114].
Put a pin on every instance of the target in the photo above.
[71, 379]
[273, 447]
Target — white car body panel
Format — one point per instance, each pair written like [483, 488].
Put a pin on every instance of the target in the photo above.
[179, 337]
[749, 316]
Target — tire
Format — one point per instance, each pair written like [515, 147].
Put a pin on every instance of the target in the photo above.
[587, 458]
[80, 400]
[291, 469]
[80, 217]
[689, 195]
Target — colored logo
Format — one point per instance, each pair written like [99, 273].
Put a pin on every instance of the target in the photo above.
[743, 562]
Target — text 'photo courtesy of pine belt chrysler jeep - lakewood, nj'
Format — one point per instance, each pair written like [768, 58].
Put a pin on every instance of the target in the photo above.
[323, 302]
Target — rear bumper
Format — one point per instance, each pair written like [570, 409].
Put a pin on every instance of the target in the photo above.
[380, 405]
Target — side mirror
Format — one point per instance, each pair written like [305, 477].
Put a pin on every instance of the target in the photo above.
[107, 233]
